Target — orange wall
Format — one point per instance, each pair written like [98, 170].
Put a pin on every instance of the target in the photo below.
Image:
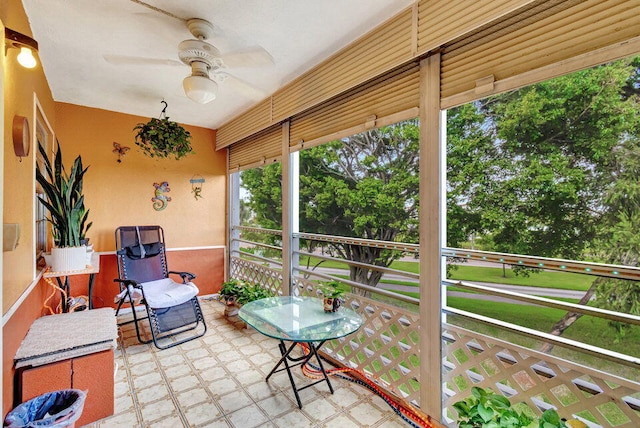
[120, 194]
[20, 86]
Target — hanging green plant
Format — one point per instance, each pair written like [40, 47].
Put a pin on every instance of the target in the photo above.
[163, 138]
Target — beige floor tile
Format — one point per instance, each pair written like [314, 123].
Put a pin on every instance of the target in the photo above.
[222, 386]
[184, 383]
[263, 359]
[238, 366]
[168, 422]
[146, 380]
[319, 410]
[218, 423]
[191, 345]
[393, 421]
[204, 363]
[158, 410]
[249, 377]
[277, 404]
[342, 421]
[228, 356]
[365, 413]
[240, 341]
[195, 354]
[193, 396]
[153, 393]
[213, 373]
[170, 360]
[344, 398]
[142, 368]
[123, 404]
[127, 419]
[121, 388]
[140, 358]
[201, 413]
[250, 349]
[212, 339]
[292, 419]
[248, 417]
[177, 372]
[261, 390]
[234, 400]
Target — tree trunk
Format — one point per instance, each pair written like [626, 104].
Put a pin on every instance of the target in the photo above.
[571, 317]
[364, 276]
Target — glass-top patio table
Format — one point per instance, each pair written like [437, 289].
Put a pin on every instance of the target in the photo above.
[299, 320]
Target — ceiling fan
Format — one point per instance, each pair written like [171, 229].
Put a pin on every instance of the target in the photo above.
[207, 64]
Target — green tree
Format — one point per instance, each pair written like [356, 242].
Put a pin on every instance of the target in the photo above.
[363, 186]
[541, 169]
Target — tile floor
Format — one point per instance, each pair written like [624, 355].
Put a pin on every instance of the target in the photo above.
[218, 381]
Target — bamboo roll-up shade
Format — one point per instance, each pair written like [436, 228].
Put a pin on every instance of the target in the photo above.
[561, 31]
[253, 120]
[383, 49]
[395, 93]
[260, 149]
[440, 21]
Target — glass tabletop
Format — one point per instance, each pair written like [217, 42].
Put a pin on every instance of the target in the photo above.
[299, 319]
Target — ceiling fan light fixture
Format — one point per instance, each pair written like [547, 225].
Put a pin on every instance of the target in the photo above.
[200, 89]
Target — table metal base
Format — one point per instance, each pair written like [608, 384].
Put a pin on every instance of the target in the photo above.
[299, 361]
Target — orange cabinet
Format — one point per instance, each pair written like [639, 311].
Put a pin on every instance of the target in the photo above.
[92, 373]
[73, 350]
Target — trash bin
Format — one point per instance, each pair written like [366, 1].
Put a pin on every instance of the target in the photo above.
[54, 409]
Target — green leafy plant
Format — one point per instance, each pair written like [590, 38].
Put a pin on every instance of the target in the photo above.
[64, 198]
[163, 138]
[243, 292]
[230, 289]
[251, 292]
[551, 419]
[333, 289]
[486, 409]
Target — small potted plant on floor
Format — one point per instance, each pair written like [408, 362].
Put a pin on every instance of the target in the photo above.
[236, 293]
[333, 292]
[229, 295]
[251, 292]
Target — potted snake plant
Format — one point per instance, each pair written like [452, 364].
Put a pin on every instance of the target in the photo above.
[68, 216]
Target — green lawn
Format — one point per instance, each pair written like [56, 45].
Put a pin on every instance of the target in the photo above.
[546, 279]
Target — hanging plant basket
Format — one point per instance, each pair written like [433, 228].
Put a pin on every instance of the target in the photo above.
[163, 138]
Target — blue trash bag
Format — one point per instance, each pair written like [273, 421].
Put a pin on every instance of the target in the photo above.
[54, 409]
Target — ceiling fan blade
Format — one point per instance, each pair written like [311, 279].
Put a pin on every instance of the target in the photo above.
[138, 60]
[243, 88]
[255, 56]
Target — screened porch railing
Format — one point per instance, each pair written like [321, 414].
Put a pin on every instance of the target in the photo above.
[387, 346]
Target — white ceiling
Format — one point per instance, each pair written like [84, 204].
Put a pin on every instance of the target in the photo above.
[75, 35]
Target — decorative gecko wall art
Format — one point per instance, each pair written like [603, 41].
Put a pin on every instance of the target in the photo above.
[160, 201]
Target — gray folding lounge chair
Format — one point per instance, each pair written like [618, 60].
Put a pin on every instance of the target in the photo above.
[172, 307]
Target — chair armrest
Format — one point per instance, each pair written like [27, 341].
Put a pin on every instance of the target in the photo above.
[186, 276]
[128, 282]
